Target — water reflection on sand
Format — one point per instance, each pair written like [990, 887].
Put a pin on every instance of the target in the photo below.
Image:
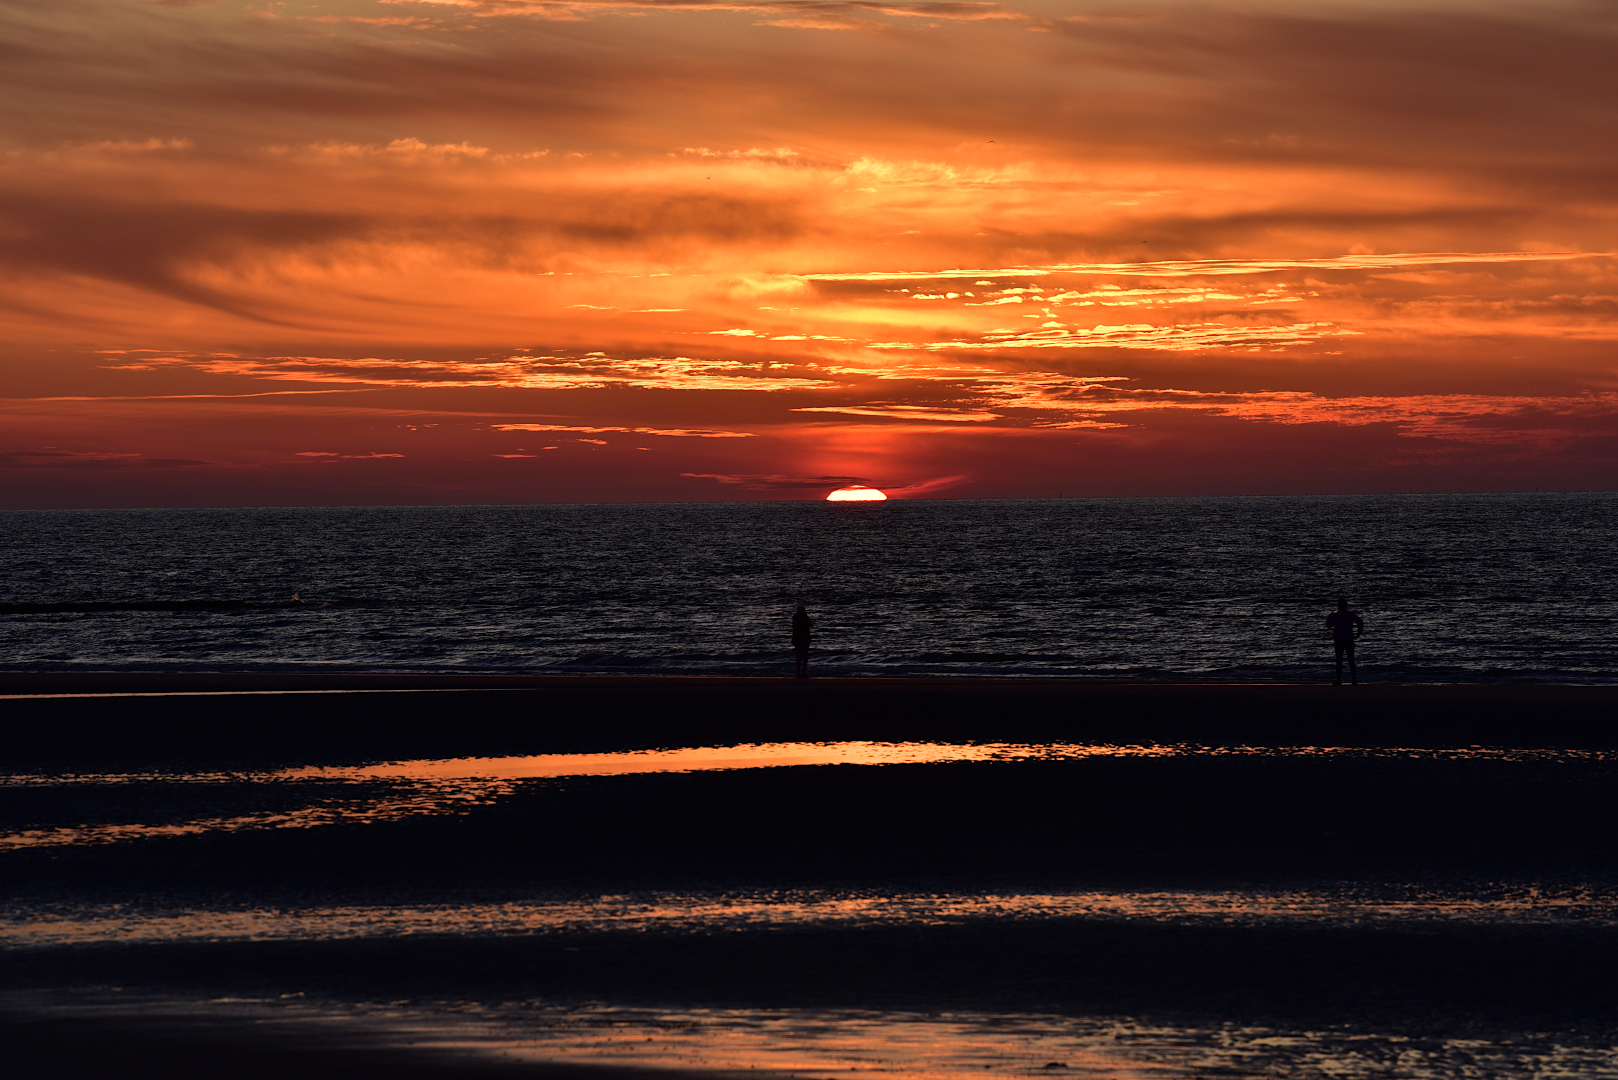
[712, 913]
[779, 755]
[811, 1044]
[392, 790]
[828, 1044]
[706, 759]
[833, 1044]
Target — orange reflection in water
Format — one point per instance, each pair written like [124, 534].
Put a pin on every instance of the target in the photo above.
[780, 755]
[22, 926]
[456, 785]
[828, 1044]
[822, 1045]
[831, 1044]
[699, 759]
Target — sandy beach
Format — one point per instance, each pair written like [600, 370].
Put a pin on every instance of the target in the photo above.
[204, 859]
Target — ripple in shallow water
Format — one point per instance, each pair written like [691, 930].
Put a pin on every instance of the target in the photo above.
[832, 1044]
[705, 913]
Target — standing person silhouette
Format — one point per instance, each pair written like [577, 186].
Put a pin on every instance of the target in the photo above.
[1346, 627]
[801, 624]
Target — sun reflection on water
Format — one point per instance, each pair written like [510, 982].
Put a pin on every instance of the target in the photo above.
[699, 759]
[458, 785]
[832, 1044]
[808, 1044]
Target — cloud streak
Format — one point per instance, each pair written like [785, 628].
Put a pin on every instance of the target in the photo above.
[679, 433]
[1225, 267]
[795, 242]
[776, 481]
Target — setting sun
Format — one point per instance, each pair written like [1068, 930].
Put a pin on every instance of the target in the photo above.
[856, 493]
[349, 269]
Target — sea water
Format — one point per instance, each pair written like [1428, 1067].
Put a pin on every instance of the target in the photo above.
[1515, 587]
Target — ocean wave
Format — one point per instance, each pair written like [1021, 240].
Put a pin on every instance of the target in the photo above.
[87, 607]
[1453, 588]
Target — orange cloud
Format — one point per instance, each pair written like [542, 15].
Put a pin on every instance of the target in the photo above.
[980, 241]
[671, 432]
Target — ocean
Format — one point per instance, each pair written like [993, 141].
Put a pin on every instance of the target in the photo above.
[1113, 876]
[1472, 587]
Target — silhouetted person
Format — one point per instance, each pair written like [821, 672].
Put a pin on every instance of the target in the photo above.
[801, 624]
[1346, 627]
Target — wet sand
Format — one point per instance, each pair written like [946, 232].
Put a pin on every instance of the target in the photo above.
[122, 1036]
[1466, 823]
[252, 719]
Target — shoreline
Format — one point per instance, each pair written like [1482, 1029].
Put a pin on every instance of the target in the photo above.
[124, 683]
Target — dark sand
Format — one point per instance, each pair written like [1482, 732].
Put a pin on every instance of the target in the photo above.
[256, 719]
[1195, 822]
[122, 1037]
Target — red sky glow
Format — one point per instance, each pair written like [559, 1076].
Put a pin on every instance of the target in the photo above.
[474, 251]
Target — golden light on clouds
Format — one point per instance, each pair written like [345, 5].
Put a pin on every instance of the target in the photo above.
[490, 250]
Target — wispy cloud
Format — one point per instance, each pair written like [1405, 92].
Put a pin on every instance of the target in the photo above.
[776, 481]
[840, 14]
[1194, 338]
[682, 433]
[76, 459]
[517, 372]
[918, 488]
[903, 412]
[1221, 267]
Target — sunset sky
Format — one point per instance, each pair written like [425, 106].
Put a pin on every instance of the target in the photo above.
[474, 251]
